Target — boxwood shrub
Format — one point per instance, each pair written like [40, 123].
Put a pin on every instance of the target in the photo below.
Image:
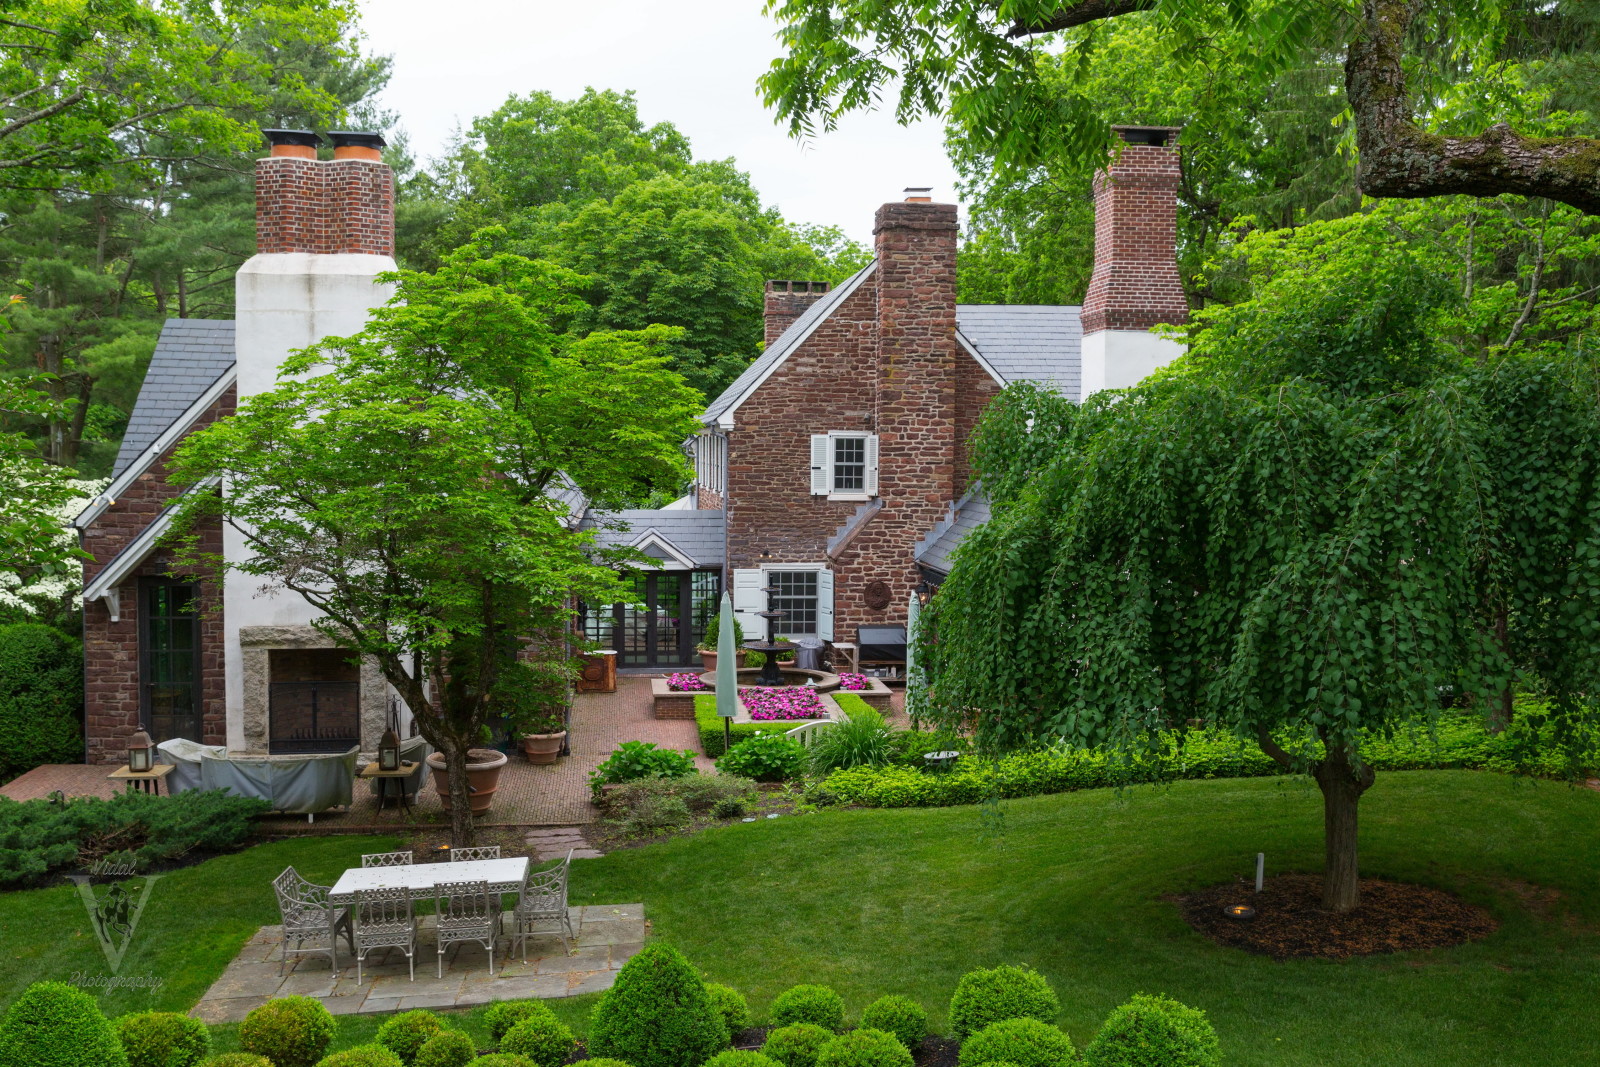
[362, 1056]
[731, 1003]
[237, 1059]
[448, 1048]
[1024, 1042]
[407, 1032]
[505, 1059]
[1152, 1031]
[864, 1048]
[289, 1031]
[900, 1016]
[504, 1014]
[797, 1044]
[814, 1004]
[163, 1039]
[41, 698]
[741, 1058]
[53, 1024]
[987, 996]
[657, 1014]
[544, 1039]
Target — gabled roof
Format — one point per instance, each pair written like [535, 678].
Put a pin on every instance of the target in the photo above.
[1028, 342]
[109, 581]
[933, 551]
[787, 342]
[695, 538]
[190, 355]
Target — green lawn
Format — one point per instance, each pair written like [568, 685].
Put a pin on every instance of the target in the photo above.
[874, 902]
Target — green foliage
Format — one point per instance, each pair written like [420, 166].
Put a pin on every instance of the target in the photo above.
[650, 805]
[38, 836]
[237, 1059]
[864, 1048]
[657, 1014]
[542, 1038]
[290, 1031]
[1025, 1042]
[714, 632]
[710, 725]
[32, 491]
[1152, 1031]
[797, 1044]
[730, 808]
[533, 696]
[808, 1003]
[741, 1058]
[53, 1024]
[362, 1056]
[731, 1003]
[502, 1015]
[633, 760]
[897, 1015]
[861, 740]
[766, 758]
[450, 1048]
[163, 1039]
[41, 698]
[503, 1059]
[1005, 992]
[407, 1032]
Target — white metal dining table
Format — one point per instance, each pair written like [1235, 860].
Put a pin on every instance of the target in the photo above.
[503, 876]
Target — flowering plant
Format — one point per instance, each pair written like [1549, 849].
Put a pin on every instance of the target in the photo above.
[855, 683]
[789, 702]
[686, 683]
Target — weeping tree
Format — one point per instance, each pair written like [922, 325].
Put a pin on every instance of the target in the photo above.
[1318, 528]
[419, 483]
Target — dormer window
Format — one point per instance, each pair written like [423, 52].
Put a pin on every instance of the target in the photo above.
[844, 465]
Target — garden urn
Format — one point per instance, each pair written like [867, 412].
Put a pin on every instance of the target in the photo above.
[543, 748]
[483, 777]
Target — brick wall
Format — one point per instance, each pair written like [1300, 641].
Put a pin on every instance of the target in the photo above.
[111, 649]
[786, 301]
[326, 206]
[1135, 283]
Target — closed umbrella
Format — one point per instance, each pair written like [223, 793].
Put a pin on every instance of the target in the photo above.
[727, 669]
[914, 680]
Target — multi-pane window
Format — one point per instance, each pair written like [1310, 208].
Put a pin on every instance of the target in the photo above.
[171, 633]
[796, 593]
[849, 464]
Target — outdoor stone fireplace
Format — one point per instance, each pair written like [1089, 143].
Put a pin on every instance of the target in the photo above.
[302, 694]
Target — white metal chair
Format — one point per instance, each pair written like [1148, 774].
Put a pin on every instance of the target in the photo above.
[474, 852]
[387, 859]
[309, 917]
[467, 911]
[384, 919]
[543, 899]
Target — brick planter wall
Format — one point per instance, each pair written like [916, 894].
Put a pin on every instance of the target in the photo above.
[668, 704]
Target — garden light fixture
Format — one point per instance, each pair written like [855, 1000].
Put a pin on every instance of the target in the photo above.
[141, 752]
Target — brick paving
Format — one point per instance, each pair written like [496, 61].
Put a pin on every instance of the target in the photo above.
[608, 935]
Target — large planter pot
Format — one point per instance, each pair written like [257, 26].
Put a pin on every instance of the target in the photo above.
[543, 748]
[483, 777]
[708, 661]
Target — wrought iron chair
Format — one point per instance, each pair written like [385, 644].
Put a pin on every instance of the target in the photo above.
[543, 899]
[387, 859]
[467, 911]
[309, 917]
[385, 919]
[474, 852]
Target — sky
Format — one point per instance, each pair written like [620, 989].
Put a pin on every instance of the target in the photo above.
[693, 63]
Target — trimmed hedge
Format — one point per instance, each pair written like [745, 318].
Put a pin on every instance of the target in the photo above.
[988, 996]
[406, 1033]
[503, 1059]
[163, 1039]
[237, 1059]
[448, 1048]
[1457, 743]
[1154, 1032]
[897, 1015]
[657, 1014]
[362, 1056]
[797, 1044]
[709, 723]
[864, 1048]
[41, 698]
[814, 1004]
[731, 1004]
[544, 1039]
[741, 1058]
[503, 1015]
[1024, 1042]
[53, 1024]
[289, 1031]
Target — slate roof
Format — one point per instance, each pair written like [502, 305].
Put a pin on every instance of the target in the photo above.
[697, 534]
[190, 355]
[1028, 342]
[934, 550]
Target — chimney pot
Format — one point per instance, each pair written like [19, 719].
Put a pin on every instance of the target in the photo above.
[1154, 136]
[357, 144]
[919, 194]
[295, 144]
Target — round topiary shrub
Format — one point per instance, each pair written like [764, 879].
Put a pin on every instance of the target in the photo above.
[362, 1056]
[1025, 1042]
[57, 1025]
[731, 1003]
[864, 1048]
[741, 1058]
[41, 698]
[407, 1032]
[897, 1015]
[448, 1048]
[657, 1014]
[163, 1039]
[502, 1015]
[289, 1031]
[796, 1045]
[237, 1059]
[544, 1039]
[503, 1059]
[603, 1062]
[1154, 1032]
[987, 996]
[814, 1004]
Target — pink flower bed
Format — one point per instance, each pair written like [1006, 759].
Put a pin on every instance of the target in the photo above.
[790, 702]
[686, 683]
[855, 683]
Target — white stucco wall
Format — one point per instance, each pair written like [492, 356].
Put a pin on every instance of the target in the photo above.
[285, 301]
[1118, 359]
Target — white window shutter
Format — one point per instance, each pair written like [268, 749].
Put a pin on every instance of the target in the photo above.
[821, 464]
[749, 599]
[871, 482]
[825, 605]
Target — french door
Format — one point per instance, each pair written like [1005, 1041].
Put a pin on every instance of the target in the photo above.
[664, 621]
[169, 645]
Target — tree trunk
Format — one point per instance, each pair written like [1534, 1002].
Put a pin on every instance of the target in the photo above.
[1342, 783]
[461, 829]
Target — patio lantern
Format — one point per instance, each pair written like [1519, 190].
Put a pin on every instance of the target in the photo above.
[389, 751]
[141, 753]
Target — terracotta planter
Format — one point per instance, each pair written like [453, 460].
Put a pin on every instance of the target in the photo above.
[543, 748]
[708, 661]
[483, 777]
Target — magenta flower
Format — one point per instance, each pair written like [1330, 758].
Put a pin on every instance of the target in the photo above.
[789, 702]
[686, 683]
[855, 683]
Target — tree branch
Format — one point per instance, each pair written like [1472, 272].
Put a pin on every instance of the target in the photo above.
[1080, 14]
[76, 96]
[1273, 749]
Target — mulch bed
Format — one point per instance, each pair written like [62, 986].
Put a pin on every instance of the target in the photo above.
[1290, 924]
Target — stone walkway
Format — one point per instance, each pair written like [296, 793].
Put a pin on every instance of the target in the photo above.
[608, 935]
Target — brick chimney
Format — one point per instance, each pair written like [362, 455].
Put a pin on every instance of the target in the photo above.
[1135, 283]
[787, 301]
[340, 205]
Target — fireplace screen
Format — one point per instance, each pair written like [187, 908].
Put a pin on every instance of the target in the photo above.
[313, 702]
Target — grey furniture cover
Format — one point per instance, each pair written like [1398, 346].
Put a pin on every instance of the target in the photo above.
[301, 784]
[184, 756]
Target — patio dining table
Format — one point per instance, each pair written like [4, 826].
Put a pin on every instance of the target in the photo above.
[503, 876]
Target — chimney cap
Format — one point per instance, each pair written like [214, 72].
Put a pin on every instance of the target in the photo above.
[357, 139]
[294, 138]
[919, 194]
[1147, 135]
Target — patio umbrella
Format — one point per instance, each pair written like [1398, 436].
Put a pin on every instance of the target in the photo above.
[914, 680]
[727, 669]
